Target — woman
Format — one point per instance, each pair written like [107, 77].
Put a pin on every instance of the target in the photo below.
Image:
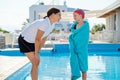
[33, 37]
[78, 40]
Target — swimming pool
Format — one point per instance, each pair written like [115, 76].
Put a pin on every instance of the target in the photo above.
[103, 65]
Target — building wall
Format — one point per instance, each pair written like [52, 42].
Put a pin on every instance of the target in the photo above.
[34, 10]
[110, 22]
[118, 26]
[112, 32]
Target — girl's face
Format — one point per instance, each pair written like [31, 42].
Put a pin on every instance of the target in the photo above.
[57, 17]
[77, 17]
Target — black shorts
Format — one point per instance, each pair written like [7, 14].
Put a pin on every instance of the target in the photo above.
[25, 46]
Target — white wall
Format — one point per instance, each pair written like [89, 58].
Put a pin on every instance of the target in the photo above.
[34, 10]
[118, 26]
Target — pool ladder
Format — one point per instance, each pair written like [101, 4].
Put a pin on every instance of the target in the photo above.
[53, 50]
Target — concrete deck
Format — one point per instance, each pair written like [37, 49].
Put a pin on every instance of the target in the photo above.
[10, 64]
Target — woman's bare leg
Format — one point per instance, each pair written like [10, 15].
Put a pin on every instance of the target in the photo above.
[35, 63]
[84, 75]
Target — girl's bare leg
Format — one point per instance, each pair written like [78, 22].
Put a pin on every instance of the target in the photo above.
[84, 75]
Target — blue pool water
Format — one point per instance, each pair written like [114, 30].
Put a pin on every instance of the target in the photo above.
[55, 66]
[103, 64]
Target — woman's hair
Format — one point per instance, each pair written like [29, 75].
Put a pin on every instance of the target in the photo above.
[51, 11]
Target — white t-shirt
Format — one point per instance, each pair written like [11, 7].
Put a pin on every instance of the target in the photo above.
[29, 33]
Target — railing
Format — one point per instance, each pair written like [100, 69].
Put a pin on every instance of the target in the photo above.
[107, 36]
[48, 45]
[2, 42]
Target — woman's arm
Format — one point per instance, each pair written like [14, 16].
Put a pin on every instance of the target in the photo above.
[43, 42]
[38, 41]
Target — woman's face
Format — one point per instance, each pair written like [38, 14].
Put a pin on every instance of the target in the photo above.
[77, 17]
[57, 17]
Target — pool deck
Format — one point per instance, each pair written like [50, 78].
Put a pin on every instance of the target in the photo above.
[9, 65]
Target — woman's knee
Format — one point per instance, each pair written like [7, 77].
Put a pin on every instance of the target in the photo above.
[35, 62]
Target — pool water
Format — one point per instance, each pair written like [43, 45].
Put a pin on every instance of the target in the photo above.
[55, 66]
[104, 68]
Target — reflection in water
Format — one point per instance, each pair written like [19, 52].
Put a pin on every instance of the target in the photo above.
[104, 68]
[112, 70]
